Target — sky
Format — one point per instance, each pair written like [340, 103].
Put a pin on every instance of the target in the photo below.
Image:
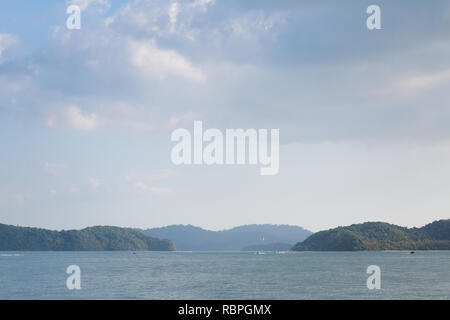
[86, 115]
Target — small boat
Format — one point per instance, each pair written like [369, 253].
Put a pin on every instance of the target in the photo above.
[412, 252]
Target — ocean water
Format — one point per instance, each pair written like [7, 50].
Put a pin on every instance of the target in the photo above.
[225, 275]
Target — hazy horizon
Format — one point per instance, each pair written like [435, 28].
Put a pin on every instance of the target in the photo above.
[215, 230]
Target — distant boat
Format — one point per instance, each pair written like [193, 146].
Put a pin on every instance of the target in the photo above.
[412, 252]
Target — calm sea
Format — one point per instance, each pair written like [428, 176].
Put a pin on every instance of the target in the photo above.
[225, 275]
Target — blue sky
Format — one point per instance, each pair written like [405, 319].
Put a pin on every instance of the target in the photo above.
[86, 115]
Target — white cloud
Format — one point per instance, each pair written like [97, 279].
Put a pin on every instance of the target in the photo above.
[174, 9]
[7, 41]
[148, 16]
[181, 120]
[56, 169]
[128, 117]
[142, 186]
[157, 191]
[157, 175]
[19, 198]
[203, 4]
[165, 174]
[248, 25]
[155, 62]
[73, 191]
[50, 122]
[95, 183]
[135, 60]
[80, 121]
[420, 82]
[84, 4]
[160, 191]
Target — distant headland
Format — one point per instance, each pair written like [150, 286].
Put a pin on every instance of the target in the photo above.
[379, 236]
[89, 239]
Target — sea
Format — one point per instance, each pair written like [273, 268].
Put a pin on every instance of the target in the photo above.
[225, 275]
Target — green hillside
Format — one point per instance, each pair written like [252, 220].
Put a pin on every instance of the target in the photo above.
[90, 239]
[379, 236]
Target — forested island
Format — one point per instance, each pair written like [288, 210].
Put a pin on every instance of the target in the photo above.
[379, 236]
[100, 238]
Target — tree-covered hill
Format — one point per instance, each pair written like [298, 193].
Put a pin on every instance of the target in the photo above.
[379, 236]
[90, 239]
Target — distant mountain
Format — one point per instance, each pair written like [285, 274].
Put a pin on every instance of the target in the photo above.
[276, 246]
[379, 236]
[188, 237]
[90, 239]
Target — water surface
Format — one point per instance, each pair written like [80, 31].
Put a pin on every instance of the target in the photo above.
[225, 275]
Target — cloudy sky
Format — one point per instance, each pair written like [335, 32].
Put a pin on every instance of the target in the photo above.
[86, 115]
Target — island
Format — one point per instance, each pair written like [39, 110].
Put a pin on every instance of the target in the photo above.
[379, 236]
[99, 238]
